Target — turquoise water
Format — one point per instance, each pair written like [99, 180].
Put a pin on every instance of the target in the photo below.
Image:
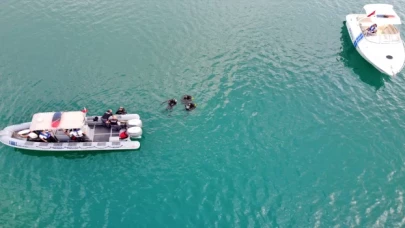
[293, 128]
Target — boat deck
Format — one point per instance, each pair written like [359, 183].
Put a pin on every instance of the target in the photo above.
[102, 134]
[94, 133]
[384, 34]
[98, 137]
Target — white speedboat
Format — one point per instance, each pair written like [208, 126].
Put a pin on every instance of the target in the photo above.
[97, 136]
[383, 47]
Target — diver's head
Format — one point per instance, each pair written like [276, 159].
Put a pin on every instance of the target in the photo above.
[190, 106]
[187, 97]
[172, 102]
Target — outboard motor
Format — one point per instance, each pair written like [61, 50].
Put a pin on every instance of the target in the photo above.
[134, 123]
[134, 132]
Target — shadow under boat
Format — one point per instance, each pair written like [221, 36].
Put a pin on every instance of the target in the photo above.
[352, 59]
[70, 154]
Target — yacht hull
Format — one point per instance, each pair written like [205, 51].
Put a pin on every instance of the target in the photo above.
[388, 58]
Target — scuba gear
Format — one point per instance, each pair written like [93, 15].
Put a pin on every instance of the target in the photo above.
[170, 103]
[190, 106]
[186, 99]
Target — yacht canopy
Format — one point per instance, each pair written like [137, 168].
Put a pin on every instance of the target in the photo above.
[69, 120]
[382, 14]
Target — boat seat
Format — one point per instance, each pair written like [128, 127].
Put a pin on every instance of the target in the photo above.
[114, 139]
[390, 29]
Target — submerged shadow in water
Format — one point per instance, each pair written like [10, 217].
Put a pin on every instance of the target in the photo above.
[69, 154]
[352, 59]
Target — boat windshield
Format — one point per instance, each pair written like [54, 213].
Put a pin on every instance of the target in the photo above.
[383, 33]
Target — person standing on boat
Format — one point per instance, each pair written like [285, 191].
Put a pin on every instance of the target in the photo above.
[106, 116]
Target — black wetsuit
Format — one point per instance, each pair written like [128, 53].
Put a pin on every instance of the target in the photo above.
[186, 99]
[106, 115]
[121, 112]
[113, 121]
[190, 106]
[171, 103]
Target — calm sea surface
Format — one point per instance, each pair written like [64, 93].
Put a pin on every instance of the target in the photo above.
[293, 128]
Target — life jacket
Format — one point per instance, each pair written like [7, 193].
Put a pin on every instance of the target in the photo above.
[106, 115]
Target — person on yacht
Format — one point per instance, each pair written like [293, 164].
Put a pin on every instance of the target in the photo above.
[46, 136]
[372, 30]
[113, 123]
[106, 116]
[75, 134]
[121, 111]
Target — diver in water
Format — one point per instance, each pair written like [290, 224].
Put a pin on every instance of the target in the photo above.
[186, 99]
[190, 106]
[170, 103]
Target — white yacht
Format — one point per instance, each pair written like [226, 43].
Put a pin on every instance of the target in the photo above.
[376, 37]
